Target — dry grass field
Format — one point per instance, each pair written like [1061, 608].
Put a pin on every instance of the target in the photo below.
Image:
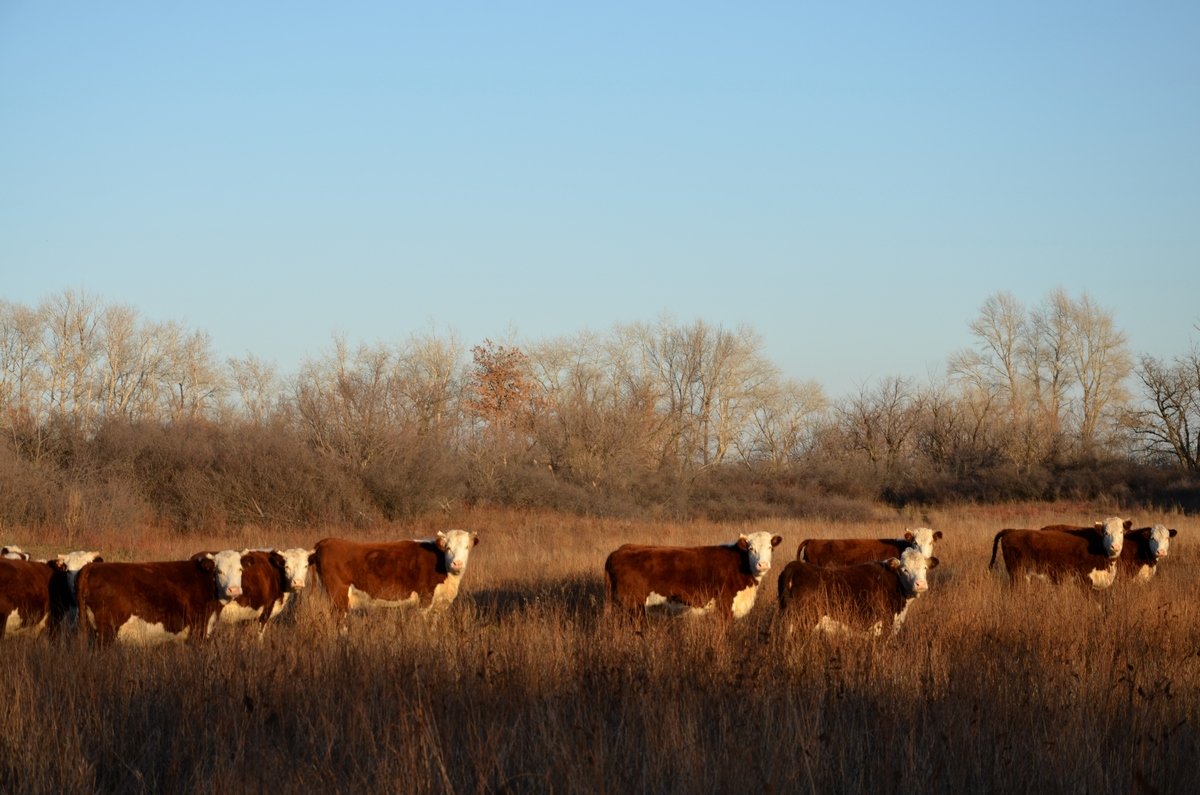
[525, 685]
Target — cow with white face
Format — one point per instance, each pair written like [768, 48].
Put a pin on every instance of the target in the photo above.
[13, 552]
[269, 579]
[1061, 552]
[1143, 549]
[859, 598]
[847, 551]
[69, 565]
[690, 581]
[424, 573]
[150, 603]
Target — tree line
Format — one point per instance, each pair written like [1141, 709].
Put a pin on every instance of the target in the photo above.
[111, 419]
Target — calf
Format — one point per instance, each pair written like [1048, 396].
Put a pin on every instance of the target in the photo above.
[269, 578]
[689, 580]
[419, 573]
[149, 603]
[846, 551]
[1063, 555]
[860, 597]
[39, 595]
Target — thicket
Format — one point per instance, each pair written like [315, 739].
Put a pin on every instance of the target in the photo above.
[109, 420]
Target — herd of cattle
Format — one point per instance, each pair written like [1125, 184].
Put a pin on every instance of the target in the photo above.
[836, 585]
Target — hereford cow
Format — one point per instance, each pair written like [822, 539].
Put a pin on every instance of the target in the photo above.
[13, 552]
[689, 580]
[1060, 555]
[418, 573]
[1141, 551]
[860, 597]
[149, 603]
[846, 551]
[39, 595]
[269, 579]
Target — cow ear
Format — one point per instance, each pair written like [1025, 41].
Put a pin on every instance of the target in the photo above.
[1128, 524]
[743, 542]
[312, 558]
[892, 563]
[474, 539]
[98, 559]
[205, 563]
[59, 563]
[937, 535]
[277, 560]
[1172, 532]
[1099, 525]
[441, 540]
[776, 540]
[248, 560]
[932, 564]
[908, 535]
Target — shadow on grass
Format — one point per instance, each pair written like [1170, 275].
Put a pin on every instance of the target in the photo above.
[580, 598]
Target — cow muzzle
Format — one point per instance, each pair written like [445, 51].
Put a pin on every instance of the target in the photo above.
[920, 586]
[234, 591]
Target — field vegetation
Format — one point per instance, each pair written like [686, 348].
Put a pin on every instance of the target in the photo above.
[526, 685]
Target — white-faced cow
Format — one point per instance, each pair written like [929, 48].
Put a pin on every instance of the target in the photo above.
[1143, 548]
[1062, 555]
[847, 551]
[150, 603]
[39, 595]
[13, 552]
[856, 598]
[689, 580]
[270, 577]
[418, 573]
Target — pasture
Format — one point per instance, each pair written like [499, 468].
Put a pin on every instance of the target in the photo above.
[526, 685]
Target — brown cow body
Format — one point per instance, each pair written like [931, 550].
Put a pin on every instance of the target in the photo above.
[147, 603]
[416, 573]
[1061, 555]
[860, 597]
[689, 580]
[1141, 552]
[848, 551]
[38, 595]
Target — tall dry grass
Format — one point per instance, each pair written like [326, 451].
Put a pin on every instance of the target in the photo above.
[526, 685]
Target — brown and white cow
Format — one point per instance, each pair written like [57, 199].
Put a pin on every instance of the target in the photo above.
[13, 552]
[39, 595]
[1063, 555]
[689, 580]
[418, 573]
[847, 551]
[856, 598]
[150, 603]
[1141, 551]
[270, 577]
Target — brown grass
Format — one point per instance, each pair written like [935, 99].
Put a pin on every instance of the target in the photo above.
[526, 685]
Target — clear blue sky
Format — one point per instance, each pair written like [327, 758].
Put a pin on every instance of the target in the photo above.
[852, 179]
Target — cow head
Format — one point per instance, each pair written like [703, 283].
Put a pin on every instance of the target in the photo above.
[13, 553]
[1112, 531]
[922, 538]
[912, 568]
[72, 562]
[758, 548]
[456, 548]
[294, 563]
[226, 566]
[1160, 537]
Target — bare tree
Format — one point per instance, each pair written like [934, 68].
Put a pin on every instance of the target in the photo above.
[783, 423]
[257, 385]
[880, 422]
[1100, 362]
[1171, 424]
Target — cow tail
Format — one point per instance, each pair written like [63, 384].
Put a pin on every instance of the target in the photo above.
[996, 547]
[801, 552]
